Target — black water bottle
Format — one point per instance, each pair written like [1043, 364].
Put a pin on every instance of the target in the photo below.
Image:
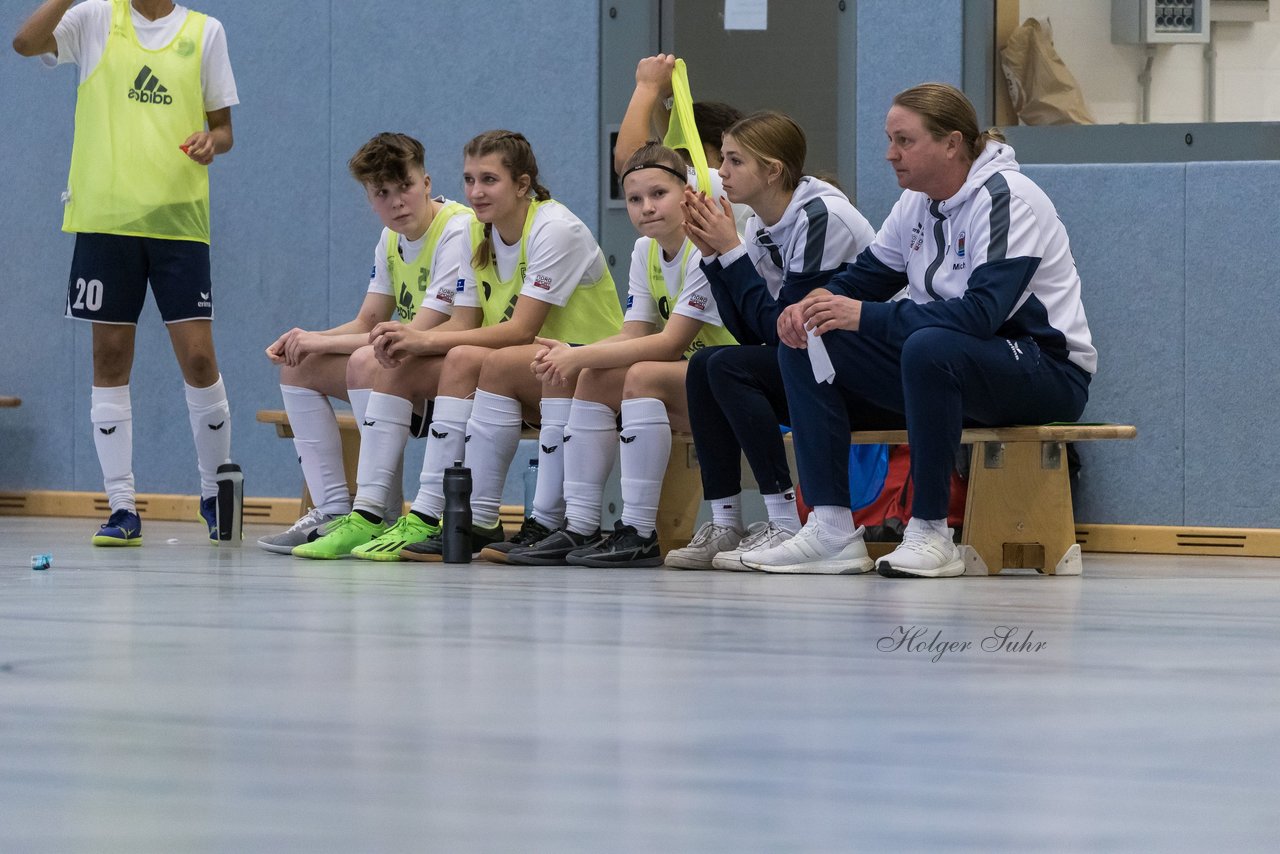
[456, 523]
[229, 507]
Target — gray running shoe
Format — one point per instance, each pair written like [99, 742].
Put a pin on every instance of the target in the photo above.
[710, 540]
[301, 532]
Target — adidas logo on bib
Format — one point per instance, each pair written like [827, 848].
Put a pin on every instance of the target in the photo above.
[147, 89]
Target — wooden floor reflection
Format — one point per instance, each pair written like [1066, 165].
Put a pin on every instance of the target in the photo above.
[183, 698]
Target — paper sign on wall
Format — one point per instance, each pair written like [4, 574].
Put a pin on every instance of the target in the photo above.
[746, 14]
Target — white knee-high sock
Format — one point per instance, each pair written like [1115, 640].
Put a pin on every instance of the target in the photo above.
[781, 508]
[645, 443]
[211, 428]
[548, 500]
[590, 447]
[446, 444]
[359, 398]
[494, 431]
[112, 415]
[319, 447]
[381, 450]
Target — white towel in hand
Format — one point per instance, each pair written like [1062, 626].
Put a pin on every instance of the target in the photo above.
[823, 370]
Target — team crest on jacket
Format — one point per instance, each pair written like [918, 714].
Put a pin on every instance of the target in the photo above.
[960, 245]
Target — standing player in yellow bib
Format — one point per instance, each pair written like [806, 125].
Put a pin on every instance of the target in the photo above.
[415, 266]
[152, 111]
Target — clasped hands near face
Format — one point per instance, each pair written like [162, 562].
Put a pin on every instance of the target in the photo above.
[819, 312]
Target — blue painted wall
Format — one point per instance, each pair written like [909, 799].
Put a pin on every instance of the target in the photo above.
[293, 235]
[1173, 257]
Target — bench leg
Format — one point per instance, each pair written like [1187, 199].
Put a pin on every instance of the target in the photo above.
[681, 497]
[1018, 512]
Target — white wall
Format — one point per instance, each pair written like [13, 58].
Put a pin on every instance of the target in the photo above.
[1248, 66]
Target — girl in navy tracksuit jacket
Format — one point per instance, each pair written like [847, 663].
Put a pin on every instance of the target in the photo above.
[802, 231]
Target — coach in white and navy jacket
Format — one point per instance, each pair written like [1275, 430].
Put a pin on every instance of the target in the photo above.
[993, 331]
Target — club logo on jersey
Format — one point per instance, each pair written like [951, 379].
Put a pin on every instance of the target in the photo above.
[698, 301]
[405, 307]
[543, 282]
[444, 295]
[147, 89]
[184, 46]
[960, 245]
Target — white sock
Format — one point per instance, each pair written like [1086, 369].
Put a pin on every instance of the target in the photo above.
[645, 443]
[381, 450]
[319, 447]
[211, 428]
[548, 498]
[781, 507]
[835, 527]
[727, 512]
[446, 444]
[494, 429]
[937, 527]
[112, 415]
[359, 398]
[590, 445]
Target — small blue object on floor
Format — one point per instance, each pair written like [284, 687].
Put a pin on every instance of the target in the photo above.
[41, 561]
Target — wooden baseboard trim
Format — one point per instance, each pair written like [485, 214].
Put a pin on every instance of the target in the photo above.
[1122, 539]
[1179, 540]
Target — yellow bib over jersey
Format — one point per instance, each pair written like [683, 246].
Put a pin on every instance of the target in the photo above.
[410, 280]
[128, 175]
[592, 312]
[665, 298]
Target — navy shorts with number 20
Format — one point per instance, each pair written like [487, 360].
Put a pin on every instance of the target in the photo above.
[110, 272]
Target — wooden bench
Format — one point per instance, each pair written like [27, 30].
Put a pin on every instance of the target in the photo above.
[10, 401]
[1018, 510]
[1017, 515]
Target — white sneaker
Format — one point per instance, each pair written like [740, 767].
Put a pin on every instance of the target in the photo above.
[283, 543]
[924, 553]
[709, 541]
[805, 553]
[761, 535]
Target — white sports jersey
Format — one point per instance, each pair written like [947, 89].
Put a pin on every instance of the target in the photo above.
[562, 255]
[694, 300]
[444, 266]
[82, 36]
[819, 230]
[993, 259]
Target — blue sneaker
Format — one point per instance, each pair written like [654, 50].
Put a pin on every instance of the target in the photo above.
[124, 528]
[209, 512]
